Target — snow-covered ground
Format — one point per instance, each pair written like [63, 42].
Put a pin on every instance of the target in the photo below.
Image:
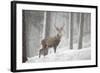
[68, 55]
[64, 53]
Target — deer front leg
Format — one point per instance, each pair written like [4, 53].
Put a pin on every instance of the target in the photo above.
[46, 50]
[40, 52]
[55, 49]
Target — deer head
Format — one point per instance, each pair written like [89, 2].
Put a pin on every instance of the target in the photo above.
[59, 30]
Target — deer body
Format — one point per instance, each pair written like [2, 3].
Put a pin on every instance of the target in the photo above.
[51, 42]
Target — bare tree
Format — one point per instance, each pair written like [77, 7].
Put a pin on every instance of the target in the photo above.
[44, 25]
[24, 53]
[71, 17]
[47, 24]
[81, 31]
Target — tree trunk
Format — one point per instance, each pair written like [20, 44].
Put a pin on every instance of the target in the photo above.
[81, 31]
[71, 30]
[44, 25]
[47, 26]
[24, 53]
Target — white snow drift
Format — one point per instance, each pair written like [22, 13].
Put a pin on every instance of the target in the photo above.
[68, 55]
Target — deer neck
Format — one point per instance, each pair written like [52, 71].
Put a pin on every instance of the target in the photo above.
[58, 36]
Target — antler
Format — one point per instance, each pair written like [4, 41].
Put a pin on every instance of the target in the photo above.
[56, 27]
[63, 22]
[62, 27]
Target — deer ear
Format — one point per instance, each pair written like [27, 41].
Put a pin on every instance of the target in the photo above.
[62, 27]
[57, 29]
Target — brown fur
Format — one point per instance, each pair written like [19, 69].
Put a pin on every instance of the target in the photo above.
[50, 42]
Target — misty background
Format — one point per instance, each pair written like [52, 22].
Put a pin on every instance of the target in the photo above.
[40, 24]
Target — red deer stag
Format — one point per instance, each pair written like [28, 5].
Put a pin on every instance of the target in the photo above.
[51, 42]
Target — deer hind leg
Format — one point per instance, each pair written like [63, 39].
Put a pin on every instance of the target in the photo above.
[42, 52]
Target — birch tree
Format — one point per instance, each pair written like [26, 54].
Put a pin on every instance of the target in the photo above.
[44, 25]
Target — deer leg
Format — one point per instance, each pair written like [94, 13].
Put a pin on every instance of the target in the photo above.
[40, 53]
[55, 49]
[45, 52]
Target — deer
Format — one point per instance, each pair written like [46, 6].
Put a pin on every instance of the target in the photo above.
[50, 42]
